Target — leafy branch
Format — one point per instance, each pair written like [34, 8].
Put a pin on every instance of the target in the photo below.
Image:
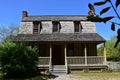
[97, 18]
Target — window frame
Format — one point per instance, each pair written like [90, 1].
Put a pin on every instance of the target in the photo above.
[79, 26]
[58, 26]
[38, 23]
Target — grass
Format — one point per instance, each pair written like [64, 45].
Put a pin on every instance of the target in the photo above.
[84, 76]
[98, 75]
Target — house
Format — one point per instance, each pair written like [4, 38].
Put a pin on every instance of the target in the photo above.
[66, 43]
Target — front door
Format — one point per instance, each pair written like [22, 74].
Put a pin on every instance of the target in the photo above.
[57, 55]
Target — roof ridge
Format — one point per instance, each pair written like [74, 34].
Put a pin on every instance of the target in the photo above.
[56, 15]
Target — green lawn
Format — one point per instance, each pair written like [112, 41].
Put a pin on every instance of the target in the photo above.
[84, 76]
[98, 75]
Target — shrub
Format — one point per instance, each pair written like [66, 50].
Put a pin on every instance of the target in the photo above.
[18, 60]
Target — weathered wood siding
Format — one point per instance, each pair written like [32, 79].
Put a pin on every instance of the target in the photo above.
[92, 49]
[26, 28]
[46, 27]
[66, 27]
[78, 49]
[88, 27]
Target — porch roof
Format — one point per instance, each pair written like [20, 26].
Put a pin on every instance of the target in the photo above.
[83, 37]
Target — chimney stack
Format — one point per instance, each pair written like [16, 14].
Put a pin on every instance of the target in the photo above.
[24, 14]
[91, 13]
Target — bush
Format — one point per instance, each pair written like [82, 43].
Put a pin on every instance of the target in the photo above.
[18, 60]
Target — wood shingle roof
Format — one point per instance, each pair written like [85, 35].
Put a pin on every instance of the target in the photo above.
[83, 37]
[55, 18]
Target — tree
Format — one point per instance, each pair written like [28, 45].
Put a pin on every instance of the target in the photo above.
[18, 60]
[94, 17]
[113, 54]
[9, 31]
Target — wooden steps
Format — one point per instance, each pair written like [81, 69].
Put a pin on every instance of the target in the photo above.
[58, 69]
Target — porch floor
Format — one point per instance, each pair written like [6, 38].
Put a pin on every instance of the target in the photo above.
[88, 68]
[75, 68]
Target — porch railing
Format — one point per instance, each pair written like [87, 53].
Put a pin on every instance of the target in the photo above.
[95, 60]
[44, 61]
[91, 60]
[80, 61]
[76, 60]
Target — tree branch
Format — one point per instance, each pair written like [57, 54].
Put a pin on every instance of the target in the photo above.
[114, 9]
[115, 23]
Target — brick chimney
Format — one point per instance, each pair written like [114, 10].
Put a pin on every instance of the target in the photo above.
[24, 14]
[91, 13]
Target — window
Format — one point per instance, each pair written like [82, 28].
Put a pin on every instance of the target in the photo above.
[36, 27]
[77, 27]
[56, 26]
[70, 50]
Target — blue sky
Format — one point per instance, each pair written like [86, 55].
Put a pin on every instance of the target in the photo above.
[11, 11]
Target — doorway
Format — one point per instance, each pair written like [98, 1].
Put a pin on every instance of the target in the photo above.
[57, 55]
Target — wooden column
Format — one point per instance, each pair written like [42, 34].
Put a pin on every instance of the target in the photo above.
[65, 53]
[66, 58]
[85, 54]
[105, 59]
[50, 63]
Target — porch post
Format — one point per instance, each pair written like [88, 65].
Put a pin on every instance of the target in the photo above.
[50, 63]
[105, 59]
[66, 58]
[85, 55]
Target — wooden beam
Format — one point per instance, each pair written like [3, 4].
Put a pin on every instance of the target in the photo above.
[65, 52]
[50, 63]
[50, 51]
[105, 59]
[85, 55]
[65, 49]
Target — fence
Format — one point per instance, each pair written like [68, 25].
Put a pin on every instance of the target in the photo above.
[114, 66]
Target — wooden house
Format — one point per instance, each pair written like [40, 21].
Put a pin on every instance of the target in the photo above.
[66, 43]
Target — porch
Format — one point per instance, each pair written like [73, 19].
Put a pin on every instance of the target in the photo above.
[75, 63]
[67, 63]
[69, 51]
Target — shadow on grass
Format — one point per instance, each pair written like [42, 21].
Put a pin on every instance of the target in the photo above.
[30, 77]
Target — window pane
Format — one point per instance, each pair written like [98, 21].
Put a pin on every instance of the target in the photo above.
[55, 26]
[35, 27]
[77, 26]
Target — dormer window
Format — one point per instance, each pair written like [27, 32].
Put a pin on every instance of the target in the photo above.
[77, 27]
[56, 26]
[36, 27]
